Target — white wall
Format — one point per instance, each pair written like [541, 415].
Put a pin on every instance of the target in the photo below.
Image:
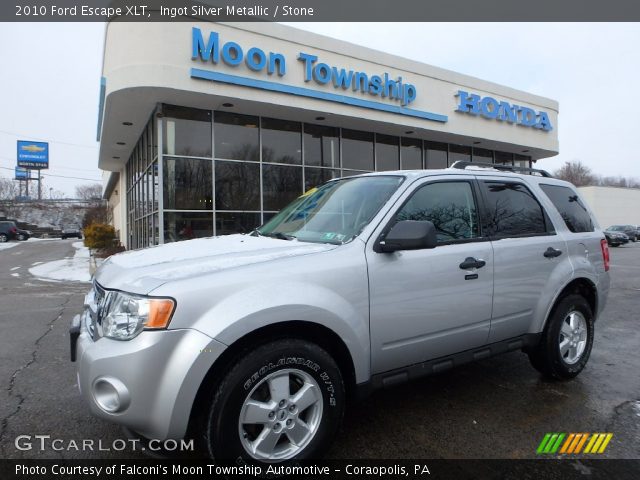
[613, 205]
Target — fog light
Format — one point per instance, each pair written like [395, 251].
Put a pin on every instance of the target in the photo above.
[111, 394]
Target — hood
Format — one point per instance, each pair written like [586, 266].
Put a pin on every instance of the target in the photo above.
[141, 271]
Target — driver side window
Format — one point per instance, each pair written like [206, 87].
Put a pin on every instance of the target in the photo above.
[450, 206]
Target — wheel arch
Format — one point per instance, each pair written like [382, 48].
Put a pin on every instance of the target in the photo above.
[313, 332]
[580, 286]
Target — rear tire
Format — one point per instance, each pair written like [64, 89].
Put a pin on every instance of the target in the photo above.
[279, 402]
[3, 238]
[566, 342]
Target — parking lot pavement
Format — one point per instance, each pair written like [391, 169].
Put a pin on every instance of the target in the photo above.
[497, 408]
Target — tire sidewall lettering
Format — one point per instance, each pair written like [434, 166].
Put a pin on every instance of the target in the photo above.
[323, 376]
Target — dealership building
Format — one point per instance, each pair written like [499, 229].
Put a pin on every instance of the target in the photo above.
[211, 128]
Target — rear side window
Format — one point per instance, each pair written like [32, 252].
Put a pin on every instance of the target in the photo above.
[513, 211]
[571, 208]
[449, 205]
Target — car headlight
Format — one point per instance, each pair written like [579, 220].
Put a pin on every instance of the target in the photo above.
[126, 315]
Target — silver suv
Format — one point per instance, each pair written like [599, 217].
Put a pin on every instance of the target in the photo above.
[251, 344]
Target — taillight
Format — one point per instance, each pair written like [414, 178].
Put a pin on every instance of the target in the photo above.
[605, 254]
[13, 229]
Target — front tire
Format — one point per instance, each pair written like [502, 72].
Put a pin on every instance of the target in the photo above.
[566, 342]
[281, 401]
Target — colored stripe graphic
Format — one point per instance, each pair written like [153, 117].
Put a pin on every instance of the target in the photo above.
[552, 442]
[592, 440]
[607, 439]
[543, 443]
[578, 448]
[567, 442]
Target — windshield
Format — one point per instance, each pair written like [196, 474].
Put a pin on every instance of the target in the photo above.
[334, 213]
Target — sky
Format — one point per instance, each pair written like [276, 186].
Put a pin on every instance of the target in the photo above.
[49, 88]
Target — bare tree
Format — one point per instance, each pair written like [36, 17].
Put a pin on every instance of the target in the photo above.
[576, 173]
[620, 181]
[89, 192]
[8, 189]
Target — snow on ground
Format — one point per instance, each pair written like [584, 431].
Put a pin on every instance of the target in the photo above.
[33, 239]
[5, 246]
[75, 269]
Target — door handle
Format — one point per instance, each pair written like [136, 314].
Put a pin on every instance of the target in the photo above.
[552, 252]
[471, 262]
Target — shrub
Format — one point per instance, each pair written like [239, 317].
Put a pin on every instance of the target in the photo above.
[99, 236]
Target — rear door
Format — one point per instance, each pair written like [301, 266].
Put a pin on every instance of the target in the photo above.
[424, 304]
[528, 256]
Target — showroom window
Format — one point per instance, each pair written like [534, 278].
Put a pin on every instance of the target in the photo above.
[196, 172]
[357, 150]
[387, 153]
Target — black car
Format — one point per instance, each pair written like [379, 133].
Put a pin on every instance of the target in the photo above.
[629, 230]
[615, 239]
[23, 235]
[71, 231]
[8, 231]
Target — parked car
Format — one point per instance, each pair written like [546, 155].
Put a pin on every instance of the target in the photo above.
[629, 230]
[253, 342]
[69, 231]
[23, 235]
[615, 239]
[8, 231]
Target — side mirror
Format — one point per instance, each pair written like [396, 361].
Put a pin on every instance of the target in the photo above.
[409, 235]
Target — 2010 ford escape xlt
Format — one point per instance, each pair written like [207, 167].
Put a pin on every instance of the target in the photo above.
[252, 343]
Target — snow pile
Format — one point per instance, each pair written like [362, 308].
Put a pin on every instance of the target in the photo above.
[47, 215]
[4, 246]
[75, 269]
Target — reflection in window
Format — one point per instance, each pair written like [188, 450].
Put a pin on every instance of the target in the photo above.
[504, 158]
[321, 146]
[228, 223]
[281, 141]
[187, 225]
[281, 185]
[187, 184]
[236, 136]
[482, 155]
[512, 210]
[450, 206]
[435, 155]
[459, 153]
[314, 177]
[522, 161]
[186, 131]
[411, 154]
[387, 153]
[237, 186]
[335, 212]
[357, 150]
[571, 208]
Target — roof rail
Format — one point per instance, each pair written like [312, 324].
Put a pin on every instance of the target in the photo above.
[462, 165]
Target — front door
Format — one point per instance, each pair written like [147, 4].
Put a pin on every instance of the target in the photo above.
[428, 303]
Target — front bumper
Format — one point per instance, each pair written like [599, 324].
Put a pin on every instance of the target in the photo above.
[148, 383]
